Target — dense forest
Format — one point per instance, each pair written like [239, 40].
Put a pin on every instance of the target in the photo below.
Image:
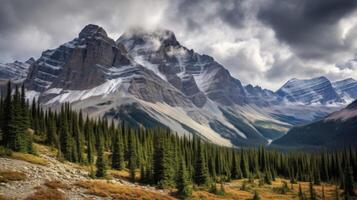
[161, 157]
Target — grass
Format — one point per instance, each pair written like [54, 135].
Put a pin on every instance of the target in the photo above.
[7, 176]
[55, 184]
[102, 188]
[266, 192]
[4, 197]
[47, 194]
[46, 150]
[29, 158]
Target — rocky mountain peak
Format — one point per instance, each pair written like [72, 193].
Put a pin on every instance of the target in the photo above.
[152, 39]
[92, 30]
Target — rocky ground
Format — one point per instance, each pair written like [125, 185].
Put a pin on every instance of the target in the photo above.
[67, 174]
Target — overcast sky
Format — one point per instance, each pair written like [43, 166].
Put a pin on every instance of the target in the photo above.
[262, 42]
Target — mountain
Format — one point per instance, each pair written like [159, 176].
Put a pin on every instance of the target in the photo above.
[336, 130]
[16, 71]
[309, 91]
[197, 76]
[148, 78]
[261, 97]
[346, 88]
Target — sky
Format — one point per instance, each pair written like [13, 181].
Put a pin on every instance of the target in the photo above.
[261, 42]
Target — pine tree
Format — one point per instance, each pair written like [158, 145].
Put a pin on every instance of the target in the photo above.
[256, 196]
[7, 118]
[132, 157]
[323, 193]
[244, 165]
[100, 163]
[312, 191]
[65, 137]
[301, 193]
[235, 172]
[201, 173]
[348, 183]
[118, 154]
[183, 184]
[337, 194]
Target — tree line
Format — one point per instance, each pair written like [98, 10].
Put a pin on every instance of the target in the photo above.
[157, 155]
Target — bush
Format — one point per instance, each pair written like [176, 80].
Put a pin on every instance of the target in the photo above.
[7, 176]
[283, 189]
[256, 196]
[4, 152]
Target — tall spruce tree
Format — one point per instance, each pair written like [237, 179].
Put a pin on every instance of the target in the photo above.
[348, 184]
[132, 157]
[118, 153]
[201, 173]
[100, 163]
[183, 184]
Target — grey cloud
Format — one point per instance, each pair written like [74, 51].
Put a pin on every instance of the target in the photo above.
[307, 29]
[310, 27]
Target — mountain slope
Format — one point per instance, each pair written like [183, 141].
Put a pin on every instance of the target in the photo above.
[16, 71]
[346, 88]
[336, 130]
[309, 91]
[188, 71]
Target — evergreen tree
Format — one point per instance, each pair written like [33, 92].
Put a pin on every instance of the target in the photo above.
[312, 192]
[256, 196]
[132, 157]
[301, 193]
[348, 184]
[183, 183]
[118, 154]
[201, 173]
[100, 163]
[337, 194]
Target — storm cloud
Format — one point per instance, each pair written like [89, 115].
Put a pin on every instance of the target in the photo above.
[264, 42]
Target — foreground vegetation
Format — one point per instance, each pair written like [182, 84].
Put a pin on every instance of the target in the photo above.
[158, 157]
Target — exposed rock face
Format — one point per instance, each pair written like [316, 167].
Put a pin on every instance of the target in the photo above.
[16, 71]
[316, 90]
[197, 76]
[346, 88]
[91, 60]
[261, 97]
[79, 64]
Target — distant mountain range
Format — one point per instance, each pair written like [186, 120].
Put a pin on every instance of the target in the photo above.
[338, 129]
[148, 78]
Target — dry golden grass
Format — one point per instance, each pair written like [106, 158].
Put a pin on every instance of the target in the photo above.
[29, 158]
[7, 176]
[55, 184]
[123, 174]
[102, 188]
[46, 194]
[233, 191]
[4, 197]
[46, 150]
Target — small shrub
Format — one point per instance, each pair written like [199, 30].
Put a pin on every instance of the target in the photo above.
[29, 158]
[48, 194]
[55, 184]
[7, 176]
[283, 189]
[5, 152]
[256, 196]
[245, 186]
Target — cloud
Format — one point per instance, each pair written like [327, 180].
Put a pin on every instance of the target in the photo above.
[262, 42]
[311, 28]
